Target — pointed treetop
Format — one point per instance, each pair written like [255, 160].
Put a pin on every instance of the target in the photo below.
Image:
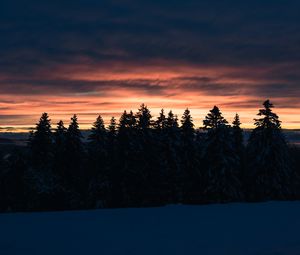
[214, 119]
[98, 124]
[60, 127]
[187, 121]
[42, 130]
[161, 121]
[98, 131]
[236, 122]
[40, 139]
[127, 120]
[73, 128]
[112, 126]
[143, 117]
[44, 123]
[172, 120]
[269, 120]
[74, 122]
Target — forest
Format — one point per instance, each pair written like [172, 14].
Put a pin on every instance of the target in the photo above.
[140, 161]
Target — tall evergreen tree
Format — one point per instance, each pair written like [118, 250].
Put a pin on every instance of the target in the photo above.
[60, 137]
[98, 164]
[221, 160]
[160, 123]
[214, 119]
[161, 150]
[41, 182]
[269, 120]
[172, 121]
[147, 163]
[112, 128]
[74, 137]
[237, 132]
[60, 147]
[187, 127]
[41, 142]
[238, 146]
[143, 117]
[269, 174]
[125, 164]
[171, 150]
[74, 156]
[189, 179]
[60, 165]
[97, 138]
[127, 121]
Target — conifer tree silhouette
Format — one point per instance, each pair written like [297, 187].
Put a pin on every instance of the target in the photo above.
[269, 120]
[60, 148]
[188, 179]
[172, 121]
[74, 156]
[140, 162]
[168, 156]
[269, 170]
[112, 128]
[187, 126]
[143, 117]
[160, 123]
[148, 161]
[214, 119]
[40, 180]
[97, 138]
[221, 161]
[237, 133]
[41, 142]
[98, 164]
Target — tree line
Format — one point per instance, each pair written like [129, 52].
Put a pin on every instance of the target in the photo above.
[140, 162]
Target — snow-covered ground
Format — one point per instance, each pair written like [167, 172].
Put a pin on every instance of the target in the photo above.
[260, 229]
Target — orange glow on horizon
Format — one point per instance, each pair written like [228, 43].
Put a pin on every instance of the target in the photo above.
[109, 89]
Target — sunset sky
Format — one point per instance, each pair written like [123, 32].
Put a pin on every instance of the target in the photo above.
[101, 57]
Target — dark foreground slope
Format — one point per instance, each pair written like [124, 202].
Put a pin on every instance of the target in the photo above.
[258, 228]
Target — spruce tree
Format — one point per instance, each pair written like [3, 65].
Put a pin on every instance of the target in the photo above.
[160, 123]
[40, 142]
[98, 164]
[189, 176]
[222, 166]
[60, 137]
[60, 165]
[74, 136]
[237, 134]
[161, 151]
[74, 156]
[269, 174]
[147, 163]
[60, 147]
[97, 138]
[172, 151]
[127, 121]
[41, 180]
[143, 117]
[125, 164]
[112, 128]
[187, 127]
[172, 121]
[269, 120]
[214, 119]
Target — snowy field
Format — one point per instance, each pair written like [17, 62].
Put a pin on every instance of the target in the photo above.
[263, 228]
